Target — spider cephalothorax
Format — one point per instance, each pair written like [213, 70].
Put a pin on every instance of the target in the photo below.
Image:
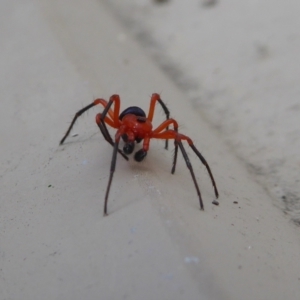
[133, 126]
[136, 127]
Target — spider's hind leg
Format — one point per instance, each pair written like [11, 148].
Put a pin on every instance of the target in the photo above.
[189, 165]
[208, 170]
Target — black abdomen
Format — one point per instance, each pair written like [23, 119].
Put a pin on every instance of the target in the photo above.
[132, 110]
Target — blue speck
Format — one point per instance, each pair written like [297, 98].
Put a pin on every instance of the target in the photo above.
[191, 259]
[168, 276]
[133, 230]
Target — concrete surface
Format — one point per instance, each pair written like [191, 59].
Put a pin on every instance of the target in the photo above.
[237, 62]
[155, 244]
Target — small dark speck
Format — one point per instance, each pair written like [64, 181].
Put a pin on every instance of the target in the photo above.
[215, 202]
[240, 267]
[49, 185]
[235, 202]
[294, 107]
[75, 134]
[160, 1]
[283, 197]
[209, 3]
[263, 51]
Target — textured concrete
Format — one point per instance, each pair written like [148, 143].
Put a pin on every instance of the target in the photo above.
[237, 62]
[57, 56]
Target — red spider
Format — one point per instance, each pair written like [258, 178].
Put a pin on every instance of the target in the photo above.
[133, 126]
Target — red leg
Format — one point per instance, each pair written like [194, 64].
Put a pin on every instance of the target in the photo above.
[113, 121]
[165, 125]
[105, 132]
[104, 104]
[141, 154]
[160, 128]
[107, 120]
[156, 98]
[115, 114]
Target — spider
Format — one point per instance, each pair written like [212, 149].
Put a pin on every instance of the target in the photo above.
[133, 126]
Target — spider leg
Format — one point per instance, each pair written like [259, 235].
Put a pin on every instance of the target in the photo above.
[101, 119]
[78, 114]
[115, 117]
[112, 170]
[101, 126]
[191, 144]
[175, 157]
[156, 98]
[189, 165]
[173, 134]
[142, 153]
[160, 128]
[105, 132]
[81, 111]
[208, 169]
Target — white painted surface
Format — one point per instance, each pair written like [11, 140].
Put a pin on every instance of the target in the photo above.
[155, 244]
